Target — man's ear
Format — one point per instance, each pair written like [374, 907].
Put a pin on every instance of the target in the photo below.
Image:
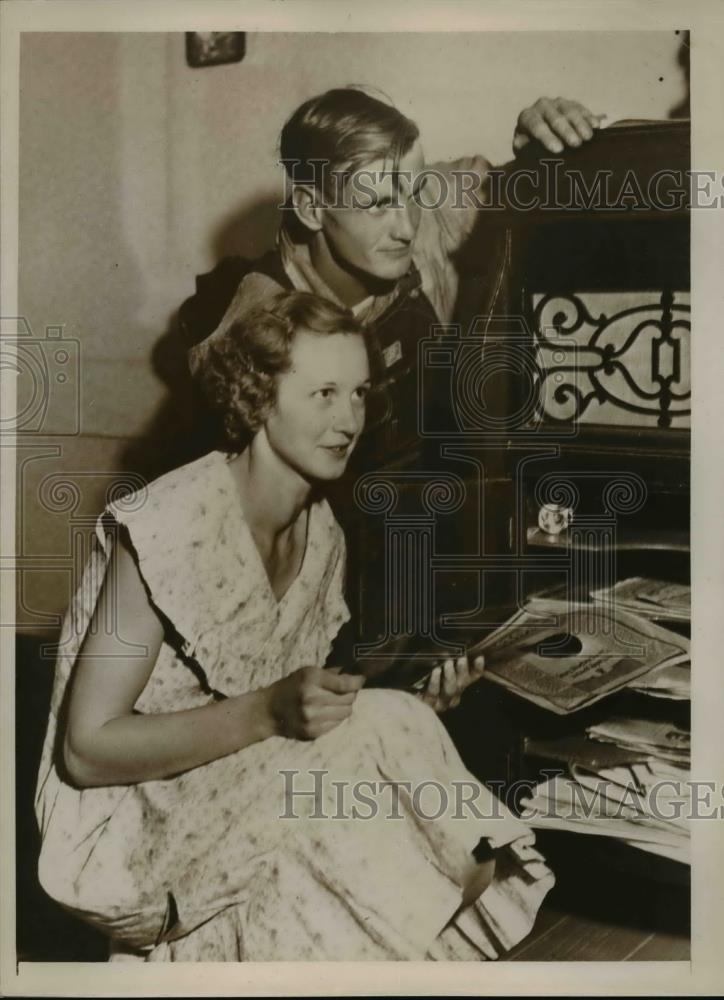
[307, 207]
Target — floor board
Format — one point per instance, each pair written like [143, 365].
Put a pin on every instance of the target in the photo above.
[598, 913]
[548, 918]
[577, 939]
[664, 947]
[570, 937]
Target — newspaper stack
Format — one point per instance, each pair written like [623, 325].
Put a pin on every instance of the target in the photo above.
[644, 805]
[627, 778]
[668, 681]
[651, 599]
[565, 656]
[664, 741]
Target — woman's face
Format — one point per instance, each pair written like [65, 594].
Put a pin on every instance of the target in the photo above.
[320, 407]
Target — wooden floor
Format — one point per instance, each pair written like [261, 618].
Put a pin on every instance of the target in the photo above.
[600, 912]
[569, 937]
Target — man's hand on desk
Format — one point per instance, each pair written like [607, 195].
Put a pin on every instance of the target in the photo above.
[555, 123]
[446, 683]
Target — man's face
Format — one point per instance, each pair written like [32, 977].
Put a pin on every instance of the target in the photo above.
[373, 232]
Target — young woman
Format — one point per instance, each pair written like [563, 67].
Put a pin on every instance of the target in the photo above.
[200, 788]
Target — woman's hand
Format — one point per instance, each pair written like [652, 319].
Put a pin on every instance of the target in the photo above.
[555, 123]
[446, 683]
[311, 701]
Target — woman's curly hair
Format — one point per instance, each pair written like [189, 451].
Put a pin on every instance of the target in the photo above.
[240, 367]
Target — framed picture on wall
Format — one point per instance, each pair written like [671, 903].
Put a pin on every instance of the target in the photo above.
[213, 48]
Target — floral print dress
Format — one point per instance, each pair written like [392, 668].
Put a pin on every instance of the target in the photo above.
[232, 861]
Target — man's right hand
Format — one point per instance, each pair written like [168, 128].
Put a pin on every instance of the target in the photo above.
[555, 123]
[311, 701]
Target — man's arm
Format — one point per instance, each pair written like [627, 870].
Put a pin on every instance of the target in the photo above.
[555, 122]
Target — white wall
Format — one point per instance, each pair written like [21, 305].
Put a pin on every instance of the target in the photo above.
[138, 172]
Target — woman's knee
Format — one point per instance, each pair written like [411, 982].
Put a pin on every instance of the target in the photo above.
[387, 710]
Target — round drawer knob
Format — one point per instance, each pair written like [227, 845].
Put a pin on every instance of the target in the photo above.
[553, 519]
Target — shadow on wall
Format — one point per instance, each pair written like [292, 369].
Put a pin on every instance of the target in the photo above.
[250, 231]
[182, 430]
[174, 434]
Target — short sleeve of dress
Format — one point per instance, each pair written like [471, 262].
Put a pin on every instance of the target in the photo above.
[184, 541]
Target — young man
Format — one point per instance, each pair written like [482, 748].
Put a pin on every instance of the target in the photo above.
[366, 224]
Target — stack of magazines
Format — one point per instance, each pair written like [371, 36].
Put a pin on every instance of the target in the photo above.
[671, 681]
[644, 804]
[655, 599]
[661, 740]
[624, 777]
[565, 656]
[629, 779]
